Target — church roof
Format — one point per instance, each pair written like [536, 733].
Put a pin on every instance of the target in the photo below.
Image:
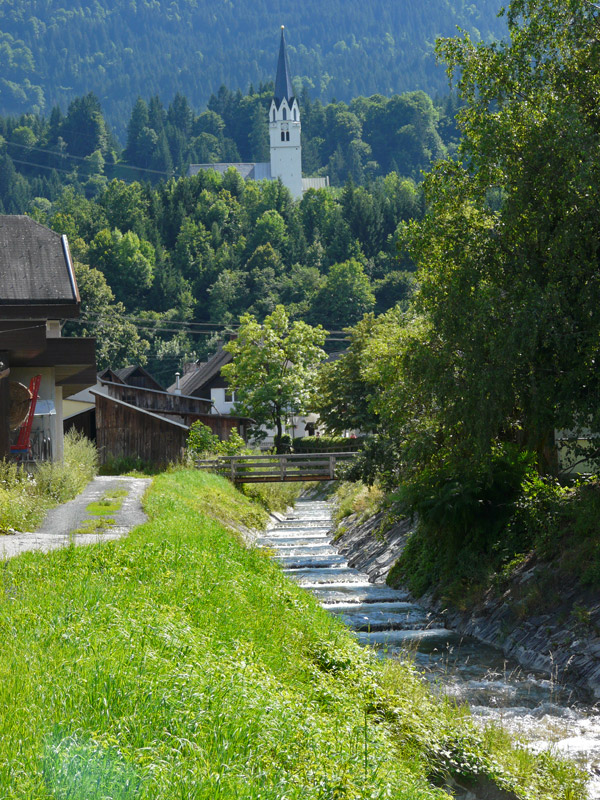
[283, 81]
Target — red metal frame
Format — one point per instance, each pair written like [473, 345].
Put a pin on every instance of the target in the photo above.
[23, 443]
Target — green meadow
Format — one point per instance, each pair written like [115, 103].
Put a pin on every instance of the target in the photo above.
[178, 663]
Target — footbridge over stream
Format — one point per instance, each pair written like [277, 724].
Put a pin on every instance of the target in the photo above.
[278, 468]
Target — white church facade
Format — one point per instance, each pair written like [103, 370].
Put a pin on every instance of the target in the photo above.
[284, 139]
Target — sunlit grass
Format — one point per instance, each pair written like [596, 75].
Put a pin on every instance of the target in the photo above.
[177, 663]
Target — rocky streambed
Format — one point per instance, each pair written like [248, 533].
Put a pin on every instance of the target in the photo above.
[466, 656]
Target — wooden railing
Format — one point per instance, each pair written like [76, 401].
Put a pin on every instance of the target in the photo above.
[272, 468]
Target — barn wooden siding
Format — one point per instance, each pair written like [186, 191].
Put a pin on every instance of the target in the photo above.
[128, 432]
[159, 402]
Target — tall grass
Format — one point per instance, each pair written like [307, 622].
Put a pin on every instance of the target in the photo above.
[274, 496]
[25, 498]
[178, 663]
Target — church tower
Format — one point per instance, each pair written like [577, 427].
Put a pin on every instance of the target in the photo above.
[284, 128]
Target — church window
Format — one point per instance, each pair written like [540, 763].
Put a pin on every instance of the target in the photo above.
[287, 136]
[284, 112]
[273, 115]
[282, 136]
[295, 115]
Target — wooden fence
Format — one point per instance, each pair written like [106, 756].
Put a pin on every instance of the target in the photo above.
[278, 468]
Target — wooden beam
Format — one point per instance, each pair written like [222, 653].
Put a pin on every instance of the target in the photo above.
[22, 340]
[4, 412]
[42, 311]
[67, 351]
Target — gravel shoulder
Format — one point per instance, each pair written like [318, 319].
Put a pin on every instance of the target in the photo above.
[60, 523]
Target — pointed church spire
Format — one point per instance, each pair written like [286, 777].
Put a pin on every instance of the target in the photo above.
[283, 81]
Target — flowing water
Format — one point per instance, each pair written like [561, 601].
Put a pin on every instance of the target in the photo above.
[387, 619]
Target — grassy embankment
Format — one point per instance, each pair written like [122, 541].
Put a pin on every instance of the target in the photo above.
[544, 523]
[25, 498]
[465, 549]
[178, 663]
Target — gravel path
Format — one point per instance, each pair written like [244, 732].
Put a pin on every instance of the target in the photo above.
[61, 521]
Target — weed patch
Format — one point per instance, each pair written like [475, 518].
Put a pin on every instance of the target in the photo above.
[97, 525]
[25, 498]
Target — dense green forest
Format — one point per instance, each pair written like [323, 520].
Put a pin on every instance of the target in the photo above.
[362, 140]
[161, 267]
[165, 263]
[52, 51]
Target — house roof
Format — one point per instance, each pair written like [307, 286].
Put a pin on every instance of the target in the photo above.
[36, 272]
[283, 81]
[203, 374]
[127, 373]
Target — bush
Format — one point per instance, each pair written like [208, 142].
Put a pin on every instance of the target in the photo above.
[321, 444]
[202, 441]
[464, 513]
[357, 498]
[61, 481]
[273, 496]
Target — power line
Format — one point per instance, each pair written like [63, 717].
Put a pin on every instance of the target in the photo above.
[118, 165]
[212, 325]
[151, 328]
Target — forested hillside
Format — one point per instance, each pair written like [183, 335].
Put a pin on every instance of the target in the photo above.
[362, 140]
[164, 270]
[165, 261]
[52, 51]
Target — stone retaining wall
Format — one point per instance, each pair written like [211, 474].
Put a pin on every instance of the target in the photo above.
[562, 640]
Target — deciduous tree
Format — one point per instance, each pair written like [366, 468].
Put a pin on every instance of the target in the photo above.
[274, 367]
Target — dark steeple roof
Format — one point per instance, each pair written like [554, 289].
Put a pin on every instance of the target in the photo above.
[283, 81]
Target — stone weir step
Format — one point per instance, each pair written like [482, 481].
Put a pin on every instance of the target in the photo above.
[314, 562]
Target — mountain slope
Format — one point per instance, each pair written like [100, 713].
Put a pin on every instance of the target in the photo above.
[54, 50]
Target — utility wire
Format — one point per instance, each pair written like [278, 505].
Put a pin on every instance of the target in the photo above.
[151, 328]
[47, 151]
[213, 325]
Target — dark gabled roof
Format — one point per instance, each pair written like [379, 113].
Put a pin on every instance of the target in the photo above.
[35, 267]
[203, 374]
[126, 374]
[283, 81]
[109, 375]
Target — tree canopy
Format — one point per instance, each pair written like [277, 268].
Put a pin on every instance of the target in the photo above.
[274, 367]
[503, 338]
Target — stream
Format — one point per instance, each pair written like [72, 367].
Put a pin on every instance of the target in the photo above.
[531, 706]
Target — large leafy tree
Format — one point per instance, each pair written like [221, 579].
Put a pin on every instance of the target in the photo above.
[509, 302]
[118, 342]
[344, 395]
[345, 296]
[274, 367]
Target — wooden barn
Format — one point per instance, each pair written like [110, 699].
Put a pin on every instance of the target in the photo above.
[151, 424]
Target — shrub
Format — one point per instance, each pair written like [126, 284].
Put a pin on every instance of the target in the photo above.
[273, 496]
[464, 512]
[61, 481]
[338, 444]
[202, 441]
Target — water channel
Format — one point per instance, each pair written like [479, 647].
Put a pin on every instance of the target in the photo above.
[529, 705]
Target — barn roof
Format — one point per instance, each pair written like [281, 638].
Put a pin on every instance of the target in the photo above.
[203, 374]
